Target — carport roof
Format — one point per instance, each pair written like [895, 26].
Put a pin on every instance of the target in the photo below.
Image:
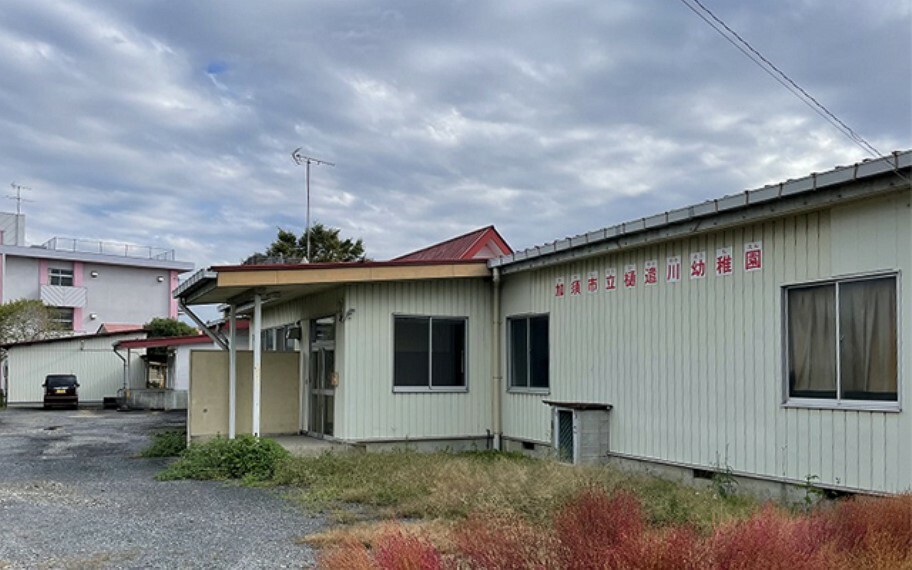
[165, 341]
[71, 338]
[238, 283]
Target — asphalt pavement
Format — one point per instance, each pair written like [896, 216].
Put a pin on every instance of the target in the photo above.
[74, 493]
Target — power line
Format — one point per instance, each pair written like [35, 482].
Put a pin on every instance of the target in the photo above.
[782, 78]
[793, 85]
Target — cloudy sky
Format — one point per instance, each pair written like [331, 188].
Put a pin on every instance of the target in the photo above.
[172, 123]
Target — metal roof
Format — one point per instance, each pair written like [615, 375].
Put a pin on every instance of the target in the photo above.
[71, 338]
[627, 231]
[461, 247]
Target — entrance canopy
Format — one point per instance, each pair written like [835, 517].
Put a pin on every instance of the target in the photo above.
[237, 284]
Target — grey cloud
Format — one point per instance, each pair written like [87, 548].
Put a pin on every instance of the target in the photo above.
[544, 118]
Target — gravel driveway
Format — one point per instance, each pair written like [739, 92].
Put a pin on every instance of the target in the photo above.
[74, 494]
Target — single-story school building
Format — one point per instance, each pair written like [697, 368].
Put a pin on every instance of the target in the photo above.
[763, 333]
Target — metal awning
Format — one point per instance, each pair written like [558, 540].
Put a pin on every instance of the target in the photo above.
[237, 284]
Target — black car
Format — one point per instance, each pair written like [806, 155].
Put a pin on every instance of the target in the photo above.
[60, 390]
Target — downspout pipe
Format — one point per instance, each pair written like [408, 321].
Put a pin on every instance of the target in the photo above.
[496, 367]
[218, 339]
[232, 372]
[257, 326]
[125, 369]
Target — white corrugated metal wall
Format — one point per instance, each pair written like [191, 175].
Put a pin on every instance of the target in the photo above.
[367, 407]
[694, 369]
[92, 360]
[305, 309]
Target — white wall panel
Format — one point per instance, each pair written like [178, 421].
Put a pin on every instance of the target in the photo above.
[98, 369]
[694, 369]
[367, 407]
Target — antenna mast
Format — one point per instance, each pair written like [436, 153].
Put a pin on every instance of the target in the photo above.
[18, 197]
[19, 200]
[300, 159]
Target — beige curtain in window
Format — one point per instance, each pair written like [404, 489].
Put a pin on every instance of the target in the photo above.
[812, 341]
[868, 351]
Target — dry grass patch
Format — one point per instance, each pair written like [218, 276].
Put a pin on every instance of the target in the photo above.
[370, 533]
[452, 486]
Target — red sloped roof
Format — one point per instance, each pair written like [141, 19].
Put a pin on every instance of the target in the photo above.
[463, 247]
[165, 341]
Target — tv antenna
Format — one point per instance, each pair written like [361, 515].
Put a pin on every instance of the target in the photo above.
[300, 158]
[18, 197]
[19, 200]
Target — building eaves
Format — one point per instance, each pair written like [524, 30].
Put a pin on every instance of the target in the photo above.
[705, 215]
[101, 259]
[341, 265]
[198, 281]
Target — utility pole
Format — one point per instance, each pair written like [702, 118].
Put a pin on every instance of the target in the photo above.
[19, 200]
[300, 159]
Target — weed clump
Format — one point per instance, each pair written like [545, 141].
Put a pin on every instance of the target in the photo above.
[246, 457]
[166, 444]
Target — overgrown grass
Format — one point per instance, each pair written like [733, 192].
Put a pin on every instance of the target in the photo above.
[453, 486]
[166, 444]
[249, 458]
[601, 530]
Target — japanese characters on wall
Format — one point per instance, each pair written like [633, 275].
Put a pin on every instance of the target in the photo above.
[723, 265]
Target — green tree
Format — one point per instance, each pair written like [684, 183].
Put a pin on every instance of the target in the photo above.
[27, 320]
[160, 328]
[163, 328]
[325, 246]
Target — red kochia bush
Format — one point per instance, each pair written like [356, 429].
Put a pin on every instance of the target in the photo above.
[398, 550]
[504, 543]
[596, 530]
[771, 539]
[865, 522]
[601, 531]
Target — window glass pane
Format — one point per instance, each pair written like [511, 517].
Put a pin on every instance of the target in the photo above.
[323, 329]
[289, 342]
[329, 366]
[812, 342]
[538, 329]
[267, 340]
[867, 326]
[448, 360]
[410, 351]
[519, 353]
[314, 364]
[62, 317]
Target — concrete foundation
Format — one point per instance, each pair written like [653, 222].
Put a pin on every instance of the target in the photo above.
[428, 445]
[151, 399]
[783, 491]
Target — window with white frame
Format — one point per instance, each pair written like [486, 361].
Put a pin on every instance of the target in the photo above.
[60, 277]
[528, 352]
[842, 343]
[429, 353]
